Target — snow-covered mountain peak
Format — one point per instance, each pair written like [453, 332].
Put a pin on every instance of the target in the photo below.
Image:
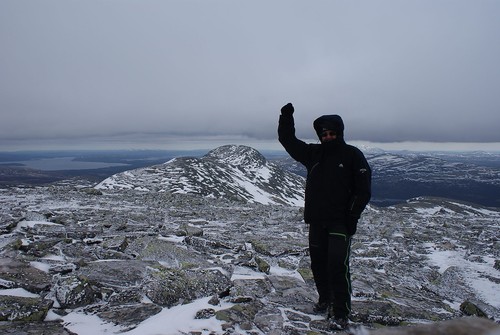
[230, 172]
[238, 155]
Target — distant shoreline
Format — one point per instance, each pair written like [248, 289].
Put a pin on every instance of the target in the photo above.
[60, 164]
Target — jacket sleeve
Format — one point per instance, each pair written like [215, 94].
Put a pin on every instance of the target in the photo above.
[296, 148]
[362, 185]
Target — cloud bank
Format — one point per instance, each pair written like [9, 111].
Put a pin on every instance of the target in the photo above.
[395, 71]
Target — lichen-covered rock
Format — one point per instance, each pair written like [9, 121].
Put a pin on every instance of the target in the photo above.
[72, 291]
[262, 265]
[16, 273]
[33, 328]
[269, 320]
[117, 273]
[23, 309]
[241, 314]
[189, 230]
[128, 314]
[170, 287]
[170, 254]
[254, 288]
[471, 309]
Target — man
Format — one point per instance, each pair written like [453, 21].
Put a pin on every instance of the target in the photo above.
[337, 191]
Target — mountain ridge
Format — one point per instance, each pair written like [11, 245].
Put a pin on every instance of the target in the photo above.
[400, 176]
[397, 175]
[231, 171]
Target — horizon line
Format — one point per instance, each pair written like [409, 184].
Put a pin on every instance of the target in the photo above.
[177, 144]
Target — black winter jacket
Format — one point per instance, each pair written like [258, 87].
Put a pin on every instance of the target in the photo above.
[338, 184]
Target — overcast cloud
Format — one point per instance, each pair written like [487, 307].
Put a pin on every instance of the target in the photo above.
[395, 70]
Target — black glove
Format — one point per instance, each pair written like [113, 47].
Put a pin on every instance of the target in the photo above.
[352, 225]
[287, 110]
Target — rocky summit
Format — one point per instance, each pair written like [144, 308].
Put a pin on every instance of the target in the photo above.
[172, 249]
[232, 172]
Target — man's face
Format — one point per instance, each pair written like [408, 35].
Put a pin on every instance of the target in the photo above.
[328, 135]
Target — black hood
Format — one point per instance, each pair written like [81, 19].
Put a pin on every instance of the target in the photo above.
[329, 122]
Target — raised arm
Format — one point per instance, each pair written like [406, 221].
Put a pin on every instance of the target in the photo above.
[296, 148]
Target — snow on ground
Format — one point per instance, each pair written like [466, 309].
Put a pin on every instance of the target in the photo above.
[170, 321]
[18, 292]
[430, 211]
[473, 272]
[41, 266]
[241, 272]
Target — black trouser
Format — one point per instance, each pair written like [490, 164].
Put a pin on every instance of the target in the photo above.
[330, 266]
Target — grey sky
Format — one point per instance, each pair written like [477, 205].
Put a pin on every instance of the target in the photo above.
[420, 70]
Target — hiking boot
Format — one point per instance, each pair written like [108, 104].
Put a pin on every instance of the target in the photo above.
[338, 323]
[320, 307]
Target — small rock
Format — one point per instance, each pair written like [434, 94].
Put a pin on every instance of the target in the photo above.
[205, 313]
[471, 309]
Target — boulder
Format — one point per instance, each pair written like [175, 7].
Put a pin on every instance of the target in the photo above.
[23, 308]
[15, 273]
[33, 328]
[170, 287]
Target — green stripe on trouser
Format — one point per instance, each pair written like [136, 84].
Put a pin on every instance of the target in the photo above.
[340, 276]
[329, 251]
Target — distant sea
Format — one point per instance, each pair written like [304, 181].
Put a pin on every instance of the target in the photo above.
[61, 163]
[66, 163]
